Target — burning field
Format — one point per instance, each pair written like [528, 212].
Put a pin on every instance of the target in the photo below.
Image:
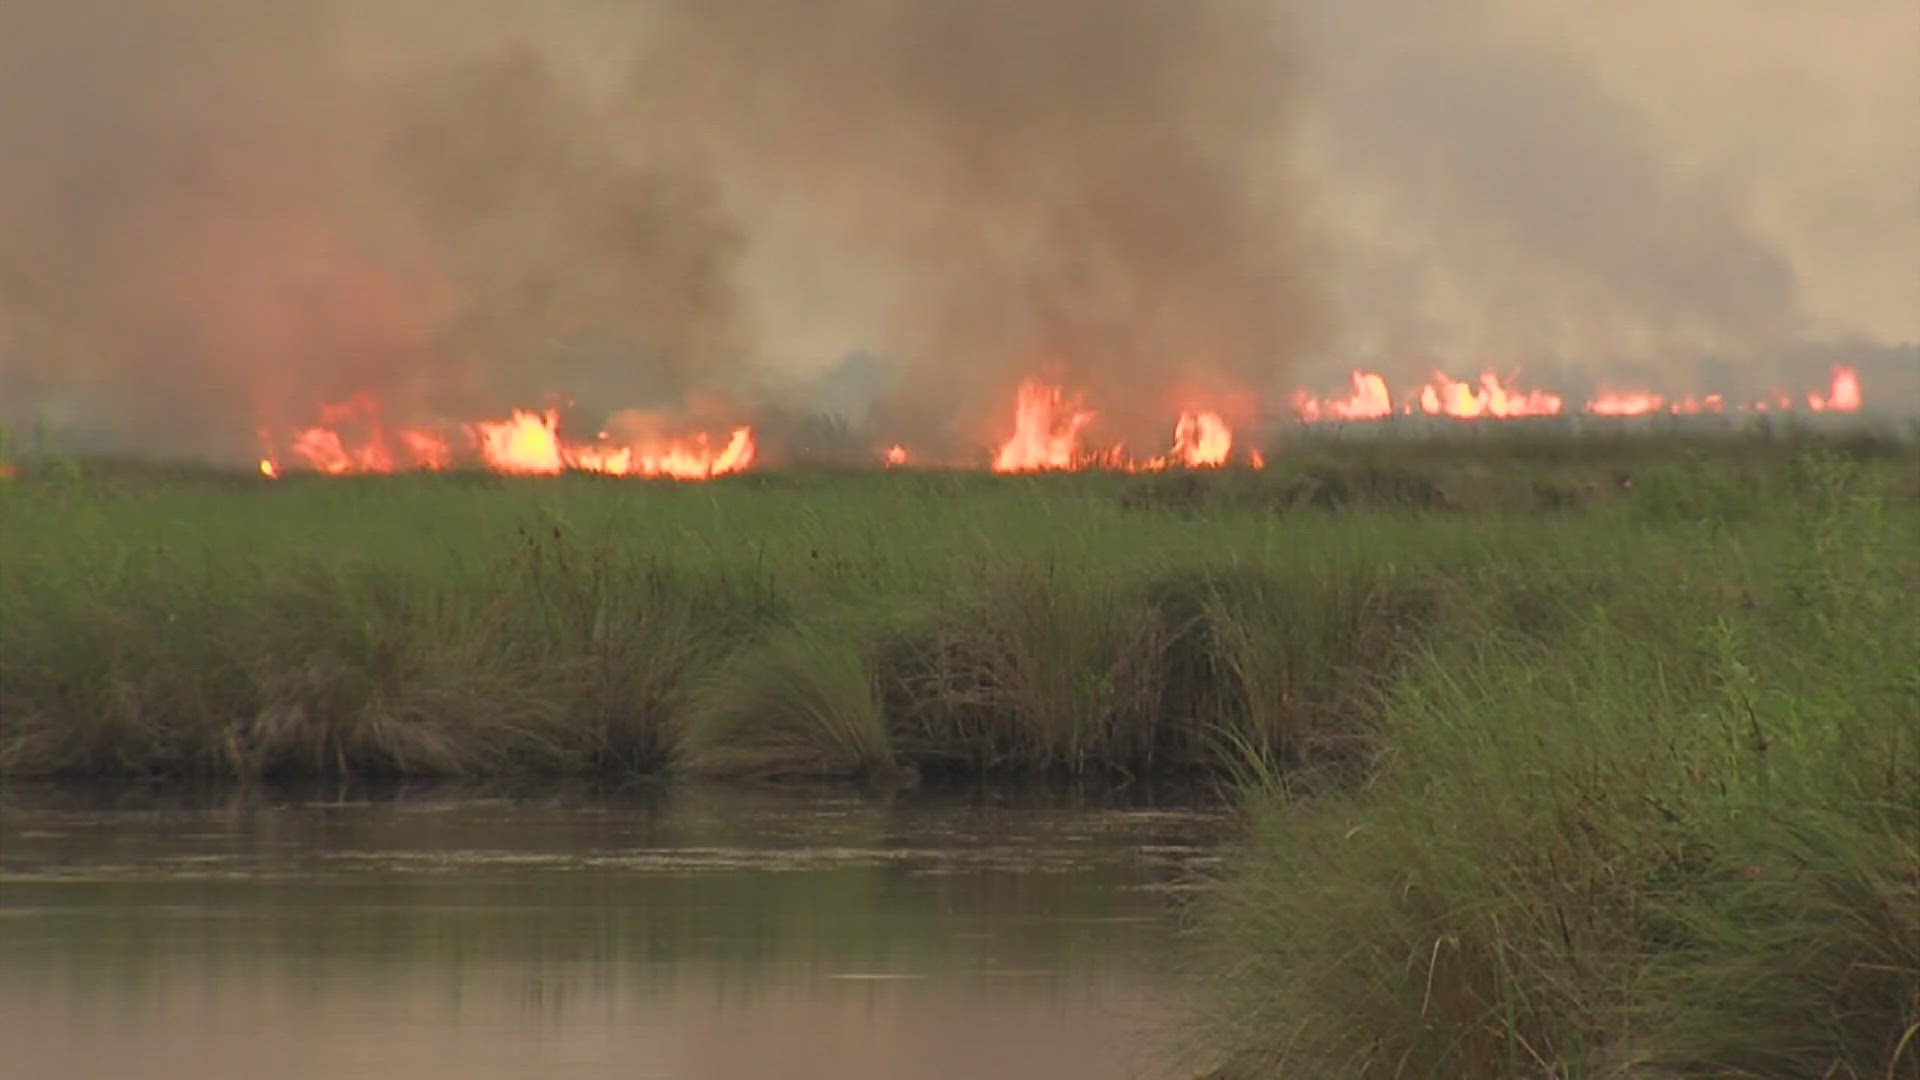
[1049, 430]
[614, 602]
[1579, 726]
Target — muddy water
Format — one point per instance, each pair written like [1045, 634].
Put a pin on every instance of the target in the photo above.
[688, 932]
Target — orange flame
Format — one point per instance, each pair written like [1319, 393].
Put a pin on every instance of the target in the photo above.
[1645, 403]
[1692, 406]
[326, 449]
[1369, 401]
[527, 443]
[1046, 431]
[1049, 426]
[896, 456]
[1201, 441]
[1842, 396]
[1460, 400]
[1625, 403]
[1490, 398]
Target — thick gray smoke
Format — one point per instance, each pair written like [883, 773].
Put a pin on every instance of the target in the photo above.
[1686, 196]
[1092, 189]
[217, 213]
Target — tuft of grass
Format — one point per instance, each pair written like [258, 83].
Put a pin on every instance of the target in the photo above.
[799, 700]
[1034, 668]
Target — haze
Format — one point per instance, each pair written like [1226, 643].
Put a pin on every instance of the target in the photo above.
[215, 215]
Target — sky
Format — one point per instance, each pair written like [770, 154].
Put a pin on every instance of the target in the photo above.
[217, 214]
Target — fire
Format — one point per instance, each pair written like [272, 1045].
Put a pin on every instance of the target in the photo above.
[1490, 398]
[1369, 401]
[1842, 396]
[526, 443]
[1049, 426]
[352, 437]
[1445, 397]
[1201, 441]
[1692, 406]
[1051, 431]
[1046, 431]
[1646, 403]
[529, 444]
[1626, 403]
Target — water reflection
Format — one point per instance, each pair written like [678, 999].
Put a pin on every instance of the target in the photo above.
[683, 931]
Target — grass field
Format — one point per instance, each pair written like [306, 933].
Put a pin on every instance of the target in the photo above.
[1569, 757]
[1668, 826]
[181, 622]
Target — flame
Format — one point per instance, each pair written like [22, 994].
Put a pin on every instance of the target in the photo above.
[1049, 426]
[529, 444]
[1369, 401]
[352, 437]
[1201, 441]
[1050, 432]
[1046, 431]
[1692, 406]
[694, 459]
[526, 443]
[1645, 403]
[1625, 403]
[1490, 398]
[1443, 396]
[1842, 396]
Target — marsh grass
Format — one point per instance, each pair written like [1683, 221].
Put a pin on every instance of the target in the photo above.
[173, 621]
[800, 699]
[1573, 758]
[1674, 837]
[1029, 663]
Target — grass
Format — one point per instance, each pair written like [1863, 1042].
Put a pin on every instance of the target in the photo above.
[179, 622]
[1672, 830]
[1566, 756]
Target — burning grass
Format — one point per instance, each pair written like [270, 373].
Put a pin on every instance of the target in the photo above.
[1570, 757]
[208, 624]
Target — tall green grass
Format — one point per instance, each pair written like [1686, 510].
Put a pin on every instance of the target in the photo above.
[1672, 832]
[1566, 758]
[181, 622]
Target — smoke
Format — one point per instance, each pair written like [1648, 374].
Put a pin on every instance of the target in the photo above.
[218, 213]
[1683, 196]
[1094, 189]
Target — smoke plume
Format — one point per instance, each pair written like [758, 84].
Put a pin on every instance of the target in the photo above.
[217, 213]
[1692, 196]
[1095, 189]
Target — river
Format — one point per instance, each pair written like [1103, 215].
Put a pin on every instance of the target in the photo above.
[686, 931]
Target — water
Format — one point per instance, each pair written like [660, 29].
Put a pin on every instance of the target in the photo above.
[697, 933]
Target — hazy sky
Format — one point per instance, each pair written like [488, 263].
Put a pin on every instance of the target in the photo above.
[216, 212]
[1607, 182]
